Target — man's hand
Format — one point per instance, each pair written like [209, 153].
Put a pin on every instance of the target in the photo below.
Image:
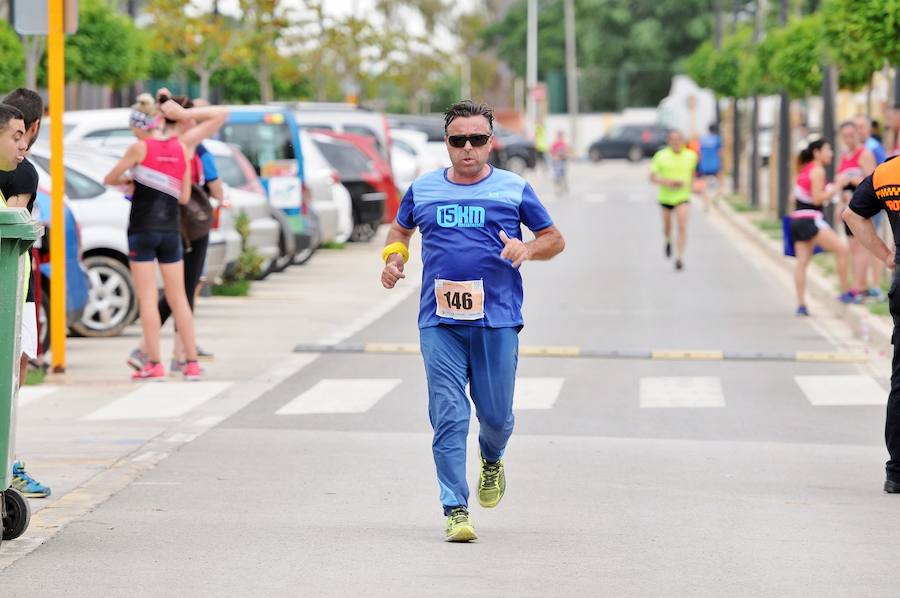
[514, 250]
[673, 184]
[393, 271]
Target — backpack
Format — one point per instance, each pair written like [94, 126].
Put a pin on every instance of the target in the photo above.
[196, 215]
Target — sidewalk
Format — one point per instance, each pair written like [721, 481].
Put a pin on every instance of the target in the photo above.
[90, 432]
[820, 286]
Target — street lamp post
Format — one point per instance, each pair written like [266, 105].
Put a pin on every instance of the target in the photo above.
[531, 65]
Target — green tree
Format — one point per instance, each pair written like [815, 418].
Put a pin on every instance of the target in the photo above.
[201, 43]
[107, 49]
[797, 56]
[852, 39]
[639, 42]
[11, 67]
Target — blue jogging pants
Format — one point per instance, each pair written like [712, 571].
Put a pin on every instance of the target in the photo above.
[486, 360]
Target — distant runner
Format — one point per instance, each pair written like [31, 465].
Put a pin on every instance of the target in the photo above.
[471, 303]
[673, 170]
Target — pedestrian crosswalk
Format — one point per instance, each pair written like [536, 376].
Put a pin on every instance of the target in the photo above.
[339, 396]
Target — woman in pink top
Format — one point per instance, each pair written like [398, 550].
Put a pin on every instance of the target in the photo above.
[808, 225]
[856, 164]
[160, 172]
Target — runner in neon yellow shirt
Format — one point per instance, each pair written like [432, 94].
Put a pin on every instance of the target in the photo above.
[673, 170]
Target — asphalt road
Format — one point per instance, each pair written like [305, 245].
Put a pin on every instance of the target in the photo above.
[625, 477]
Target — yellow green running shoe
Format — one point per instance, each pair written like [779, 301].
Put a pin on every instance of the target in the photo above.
[491, 483]
[459, 526]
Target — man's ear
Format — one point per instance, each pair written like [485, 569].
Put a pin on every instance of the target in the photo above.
[34, 129]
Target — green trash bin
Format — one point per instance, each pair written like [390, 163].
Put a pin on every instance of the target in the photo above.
[18, 232]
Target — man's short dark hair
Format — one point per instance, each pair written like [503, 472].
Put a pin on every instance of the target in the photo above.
[468, 108]
[8, 113]
[28, 102]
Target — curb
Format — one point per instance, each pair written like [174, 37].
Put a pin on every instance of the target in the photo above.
[857, 316]
[590, 353]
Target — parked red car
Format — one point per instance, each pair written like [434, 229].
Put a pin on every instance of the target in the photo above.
[381, 176]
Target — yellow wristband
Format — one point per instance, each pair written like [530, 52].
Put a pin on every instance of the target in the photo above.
[397, 247]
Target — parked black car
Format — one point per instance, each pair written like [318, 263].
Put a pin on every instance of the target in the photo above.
[512, 151]
[633, 142]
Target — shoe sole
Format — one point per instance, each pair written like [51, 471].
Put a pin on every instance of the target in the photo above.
[154, 379]
[489, 505]
[465, 533]
[134, 364]
[34, 494]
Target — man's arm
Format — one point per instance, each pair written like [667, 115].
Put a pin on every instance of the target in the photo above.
[864, 232]
[393, 266]
[19, 201]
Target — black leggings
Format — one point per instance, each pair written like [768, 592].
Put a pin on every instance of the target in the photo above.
[194, 258]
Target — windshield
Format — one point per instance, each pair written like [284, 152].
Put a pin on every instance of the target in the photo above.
[261, 142]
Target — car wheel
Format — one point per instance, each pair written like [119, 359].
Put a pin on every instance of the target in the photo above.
[635, 154]
[112, 304]
[595, 154]
[516, 164]
[44, 321]
[284, 259]
[364, 231]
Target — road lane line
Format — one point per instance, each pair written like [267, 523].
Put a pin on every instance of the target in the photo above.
[159, 401]
[832, 391]
[344, 395]
[536, 393]
[681, 392]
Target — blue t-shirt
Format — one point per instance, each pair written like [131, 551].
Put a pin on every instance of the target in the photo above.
[874, 146]
[710, 163]
[460, 227]
[210, 172]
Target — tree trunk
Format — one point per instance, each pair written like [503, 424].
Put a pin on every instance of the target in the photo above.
[34, 49]
[205, 76]
[264, 76]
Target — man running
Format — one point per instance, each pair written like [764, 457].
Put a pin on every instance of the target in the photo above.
[470, 313]
[19, 187]
[881, 191]
[710, 163]
[673, 170]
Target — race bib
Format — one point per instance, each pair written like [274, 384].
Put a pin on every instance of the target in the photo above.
[463, 300]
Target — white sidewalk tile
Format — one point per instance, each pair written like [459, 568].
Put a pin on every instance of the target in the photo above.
[679, 392]
[159, 400]
[346, 395]
[30, 394]
[833, 391]
[536, 393]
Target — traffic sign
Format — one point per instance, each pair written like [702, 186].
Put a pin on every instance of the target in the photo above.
[30, 17]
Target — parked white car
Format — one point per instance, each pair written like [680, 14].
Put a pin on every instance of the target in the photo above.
[410, 157]
[331, 200]
[264, 229]
[103, 215]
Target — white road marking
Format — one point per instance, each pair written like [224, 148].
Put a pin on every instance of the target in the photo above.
[661, 392]
[30, 394]
[345, 395]
[842, 390]
[159, 400]
[392, 300]
[536, 393]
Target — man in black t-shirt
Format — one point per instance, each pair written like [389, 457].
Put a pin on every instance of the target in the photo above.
[881, 191]
[19, 187]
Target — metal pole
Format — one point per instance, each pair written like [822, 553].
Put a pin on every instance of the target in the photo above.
[736, 128]
[717, 40]
[57, 77]
[784, 137]
[571, 73]
[531, 69]
[760, 7]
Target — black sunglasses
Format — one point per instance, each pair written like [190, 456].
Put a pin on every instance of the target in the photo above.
[475, 140]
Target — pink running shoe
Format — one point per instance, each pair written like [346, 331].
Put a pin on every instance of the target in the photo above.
[192, 371]
[150, 373]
